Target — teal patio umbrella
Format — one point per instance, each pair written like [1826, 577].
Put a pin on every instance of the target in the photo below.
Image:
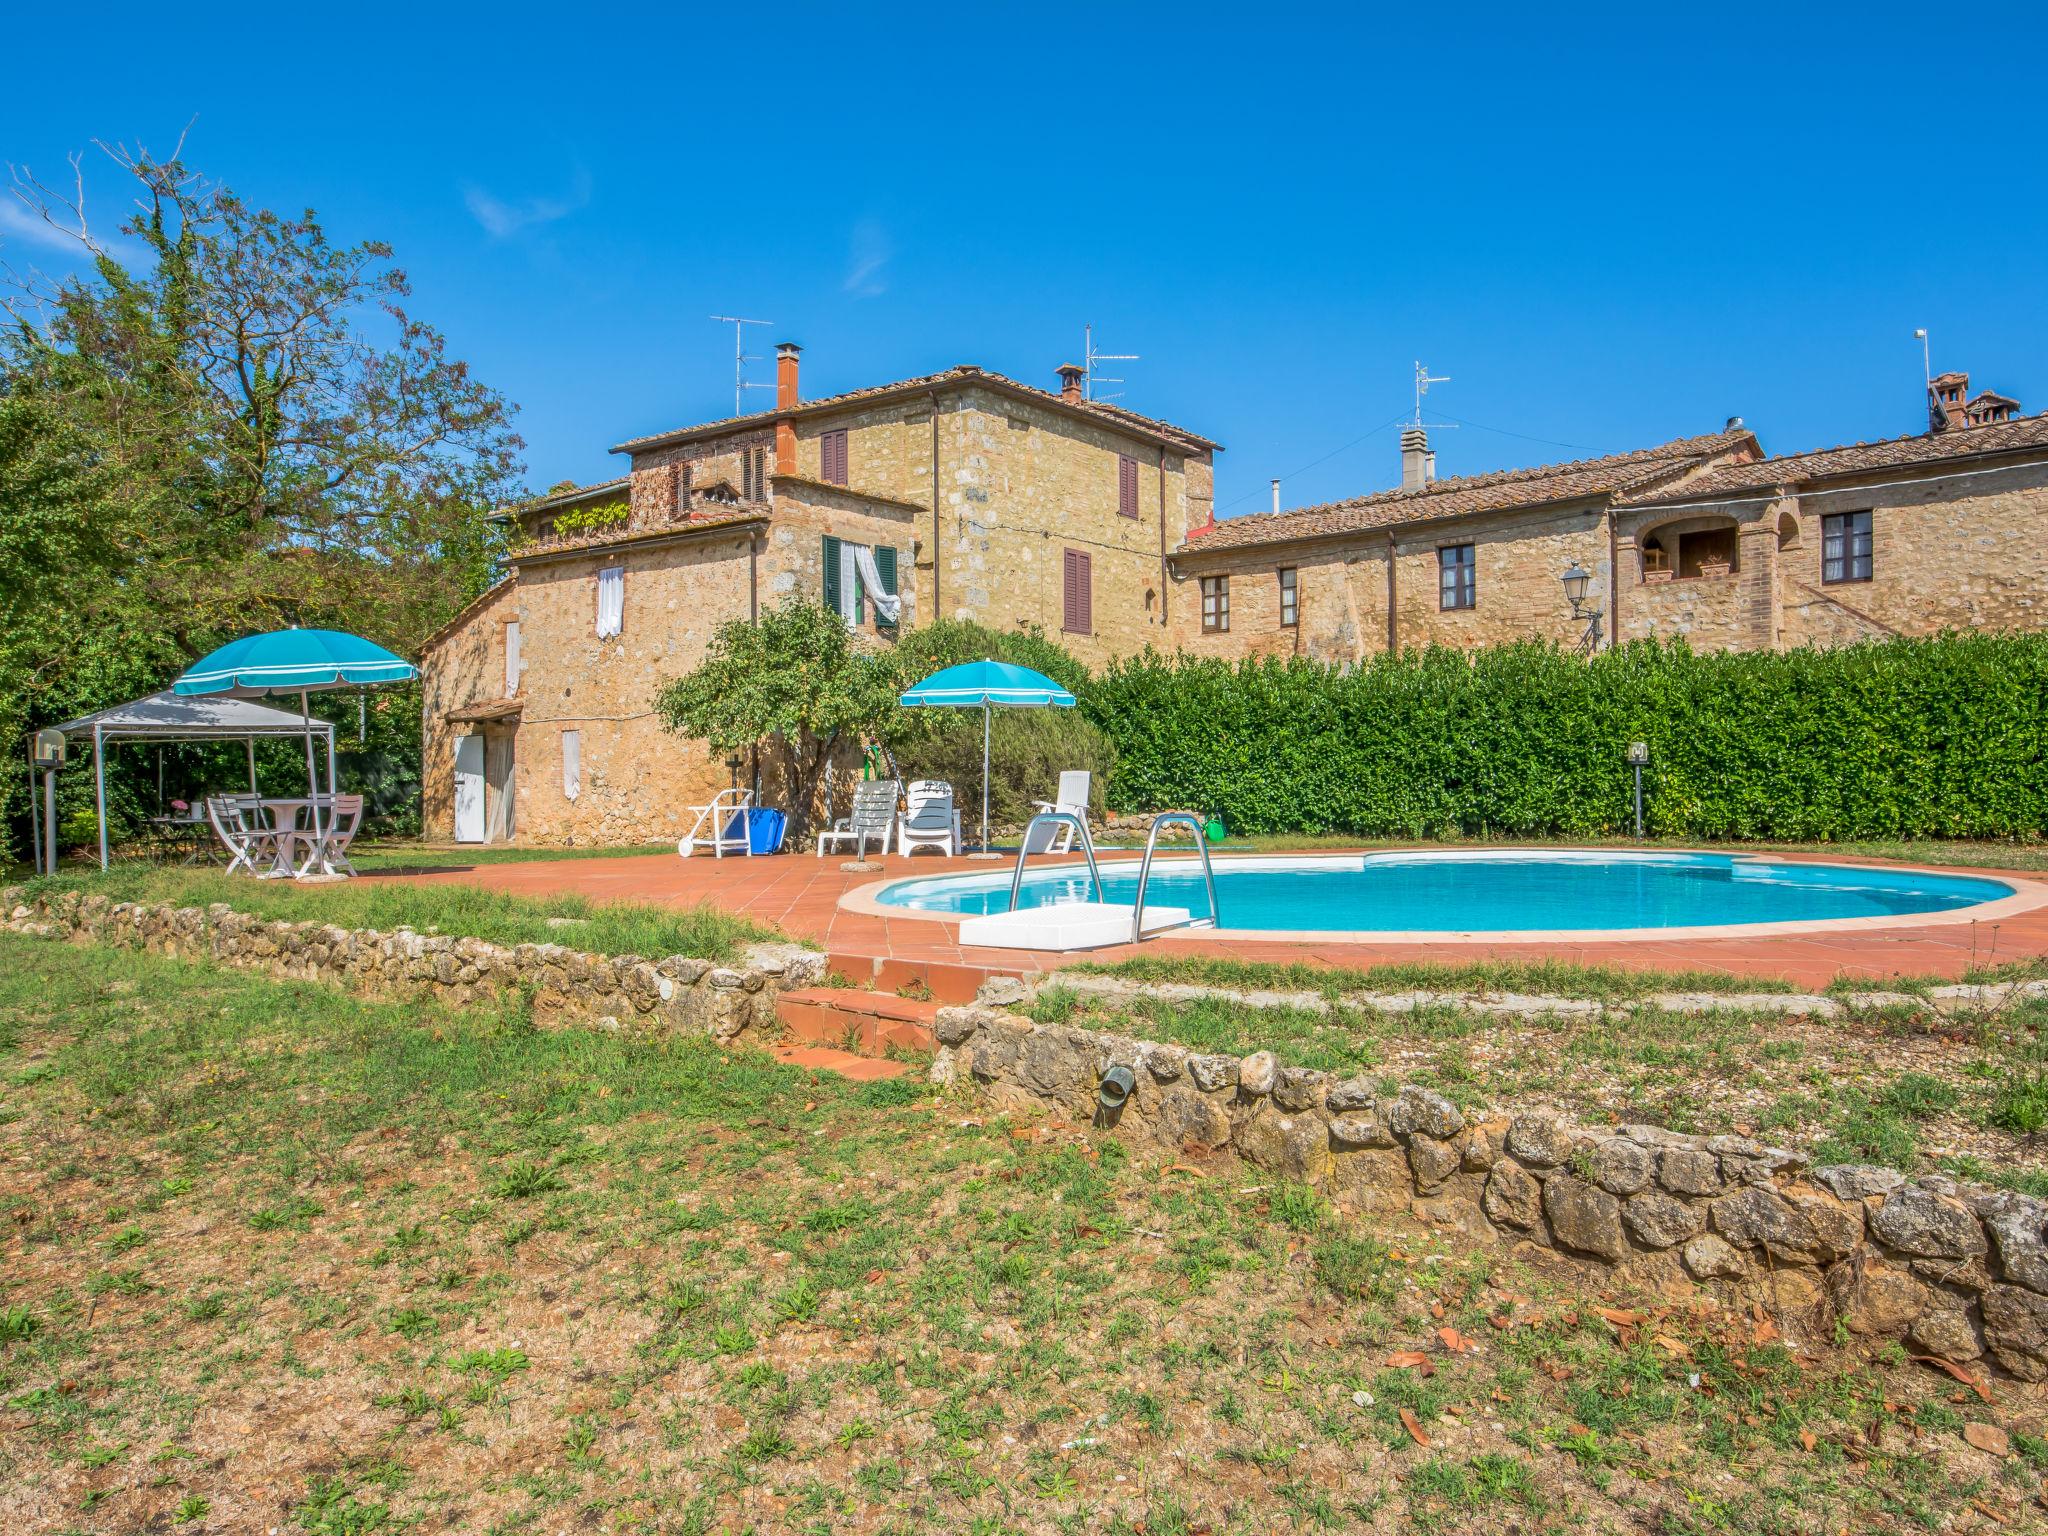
[300, 661]
[988, 686]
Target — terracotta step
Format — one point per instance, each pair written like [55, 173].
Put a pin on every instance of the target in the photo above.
[824, 1058]
[947, 983]
[872, 1023]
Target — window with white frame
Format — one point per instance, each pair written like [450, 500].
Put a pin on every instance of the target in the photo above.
[513, 662]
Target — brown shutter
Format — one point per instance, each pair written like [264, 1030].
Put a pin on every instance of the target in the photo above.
[1126, 485]
[1079, 617]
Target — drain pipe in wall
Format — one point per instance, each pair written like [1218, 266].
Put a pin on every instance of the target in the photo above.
[938, 608]
[1393, 634]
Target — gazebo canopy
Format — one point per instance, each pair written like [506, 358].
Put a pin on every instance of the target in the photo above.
[209, 717]
[167, 717]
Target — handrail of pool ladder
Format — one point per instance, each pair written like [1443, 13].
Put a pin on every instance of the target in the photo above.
[1167, 819]
[1067, 818]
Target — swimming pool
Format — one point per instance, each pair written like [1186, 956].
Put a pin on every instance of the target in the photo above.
[1487, 891]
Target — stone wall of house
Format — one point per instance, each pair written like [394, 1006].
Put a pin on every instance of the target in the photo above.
[1947, 554]
[466, 667]
[566, 986]
[638, 781]
[1952, 1271]
[1343, 593]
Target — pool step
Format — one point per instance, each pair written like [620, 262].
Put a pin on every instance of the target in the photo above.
[869, 1023]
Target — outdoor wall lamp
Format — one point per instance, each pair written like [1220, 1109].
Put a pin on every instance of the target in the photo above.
[1576, 580]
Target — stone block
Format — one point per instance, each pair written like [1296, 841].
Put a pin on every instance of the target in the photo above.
[1584, 1218]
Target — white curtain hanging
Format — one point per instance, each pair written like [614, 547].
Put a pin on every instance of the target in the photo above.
[888, 606]
[849, 585]
[572, 764]
[512, 660]
[611, 601]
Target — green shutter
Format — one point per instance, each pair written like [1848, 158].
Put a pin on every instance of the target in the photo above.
[885, 567]
[831, 563]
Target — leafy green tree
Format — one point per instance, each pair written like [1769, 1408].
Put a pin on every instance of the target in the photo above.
[222, 422]
[793, 682]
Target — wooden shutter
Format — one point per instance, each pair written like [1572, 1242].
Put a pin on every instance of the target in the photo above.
[1078, 617]
[832, 457]
[1126, 485]
[885, 567]
[831, 564]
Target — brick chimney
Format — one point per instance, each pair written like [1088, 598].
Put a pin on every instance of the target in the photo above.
[1416, 469]
[1071, 375]
[785, 400]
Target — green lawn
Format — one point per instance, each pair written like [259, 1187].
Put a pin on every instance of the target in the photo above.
[272, 1256]
[613, 928]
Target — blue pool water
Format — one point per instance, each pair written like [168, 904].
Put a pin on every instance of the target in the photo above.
[1478, 893]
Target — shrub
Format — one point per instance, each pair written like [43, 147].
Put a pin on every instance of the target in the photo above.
[1938, 737]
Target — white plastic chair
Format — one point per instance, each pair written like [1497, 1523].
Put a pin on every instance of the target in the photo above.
[245, 843]
[873, 819]
[340, 818]
[1072, 797]
[930, 820]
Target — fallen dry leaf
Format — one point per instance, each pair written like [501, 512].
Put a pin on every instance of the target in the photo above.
[1411, 1360]
[1808, 1439]
[1974, 1383]
[1620, 1316]
[1408, 1422]
[1456, 1342]
[1675, 1347]
[1988, 1438]
[1192, 1172]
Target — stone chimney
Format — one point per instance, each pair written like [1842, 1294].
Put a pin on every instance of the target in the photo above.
[1071, 375]
[785, 400]
[1416, 468]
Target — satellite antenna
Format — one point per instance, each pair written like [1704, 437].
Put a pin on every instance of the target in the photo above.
[1090, 357]
[740, 359]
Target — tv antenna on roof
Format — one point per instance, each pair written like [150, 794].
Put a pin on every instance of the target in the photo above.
[740, 359]
[1090, 357]
[1423, 379]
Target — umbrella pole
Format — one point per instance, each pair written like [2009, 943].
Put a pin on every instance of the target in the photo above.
[312, 773]
[984, 777]
[250, 743]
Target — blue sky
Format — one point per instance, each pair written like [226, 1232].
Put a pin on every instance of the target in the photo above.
[1607, 228]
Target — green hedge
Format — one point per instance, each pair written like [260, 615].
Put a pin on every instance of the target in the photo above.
[1940, 737]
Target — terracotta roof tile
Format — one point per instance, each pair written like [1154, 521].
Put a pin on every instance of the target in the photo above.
[961, 375]
[1851, 459]
[1503, 490]
[568, 498]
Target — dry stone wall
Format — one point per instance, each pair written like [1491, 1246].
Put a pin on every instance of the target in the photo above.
[566, 986]
[1948, 1270]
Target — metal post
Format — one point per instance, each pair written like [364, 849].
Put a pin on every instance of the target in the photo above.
[49, 821]
[250, 743]
[1639, 802]
[984, 776]
[99, 779]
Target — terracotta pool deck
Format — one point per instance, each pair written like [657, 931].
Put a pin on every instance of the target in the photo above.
[802, 896]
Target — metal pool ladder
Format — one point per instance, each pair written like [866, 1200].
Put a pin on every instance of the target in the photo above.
[1166, 819]
[1067, 818]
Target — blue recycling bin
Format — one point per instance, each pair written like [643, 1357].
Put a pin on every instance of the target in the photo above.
[765, 829]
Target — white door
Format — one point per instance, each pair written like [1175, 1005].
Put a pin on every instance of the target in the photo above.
[469, 789]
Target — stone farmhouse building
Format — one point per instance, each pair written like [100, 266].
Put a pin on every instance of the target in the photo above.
[962, 493]
[968, 494]
[1705, 537]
